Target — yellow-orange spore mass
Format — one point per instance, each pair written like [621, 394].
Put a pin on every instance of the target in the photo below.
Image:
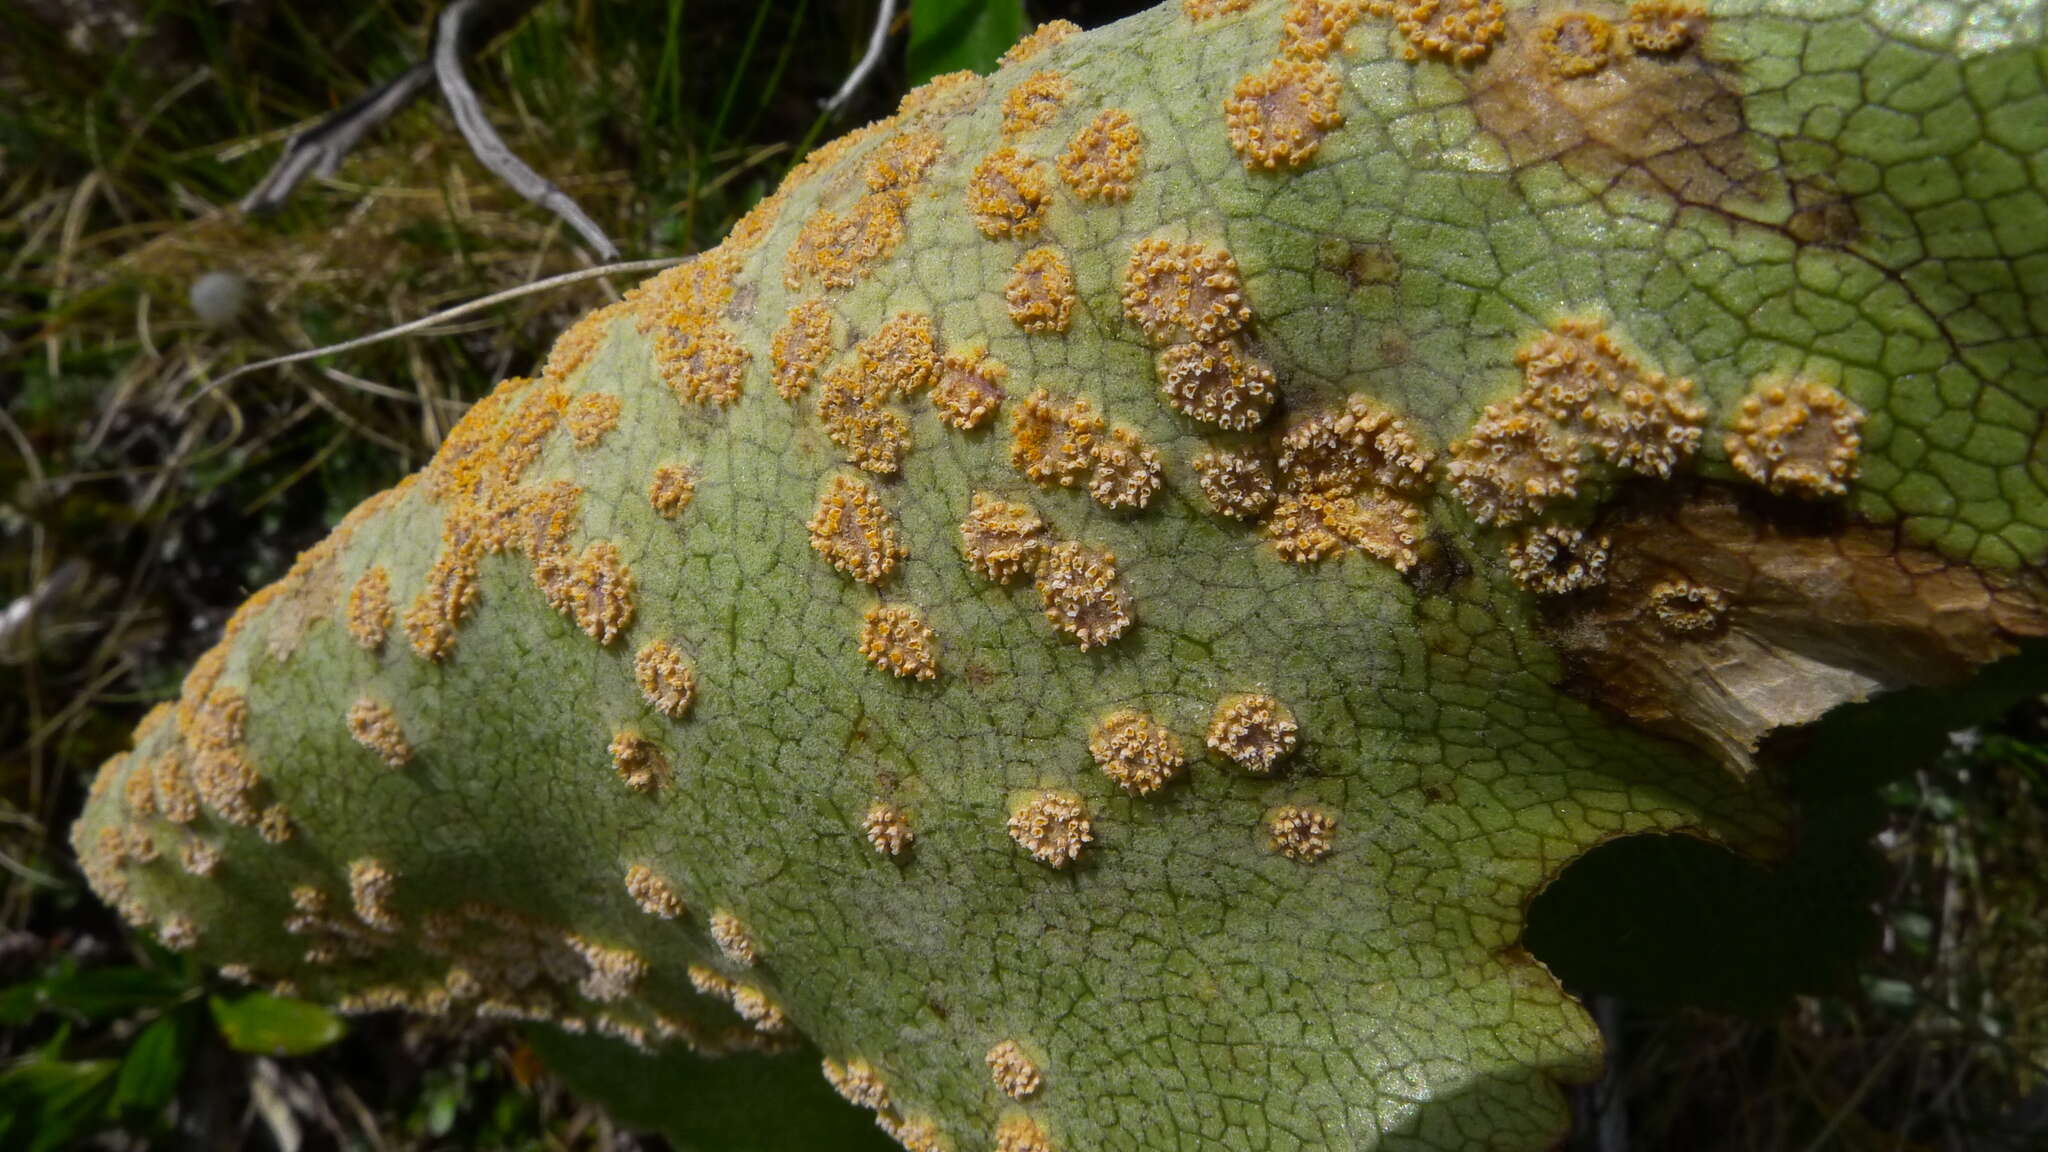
[1082, 596]
[1577, 43]
[899, 358]
[1034, 102]
[1052, 441]
[888, 829]
[1310, 526]
[1013, 1071]
[733, 939]
[856, 418]
[591, 416]
[1300, 832]
[1136, 751]
[671, 489]
[1040, 291]
[1003, 540]
[372, 724]
[1552, 559]
[1253, 730]
[600, 592]
[1183, 292]
[442, 605]
[840, 249]
[1237, 484]
[1104, 157]
[1217, 383]
[1126, 472]
[1038, 40]
[897, 639]
[1797, 437]
[1277, 117]
[853, 531]
[969, 389]
[800, 347]
[1008, 194]
[656, 896]
[1460, 31]
[665, 677]
[1020, 1133]
[1313, 29]
[371, 887]
[1685, 608]
[1201, 10]
[903, 160]
[703, 364]
[859, 1083]
[638, 762]
[1660, 27]
[1579, 377]
[1052, 826]
[369, 608]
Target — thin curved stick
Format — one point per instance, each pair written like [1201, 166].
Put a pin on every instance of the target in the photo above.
[872, 59]
[489, 147]
[441, 317]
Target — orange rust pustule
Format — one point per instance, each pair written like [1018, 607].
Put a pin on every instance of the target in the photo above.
[1812, 612]
[1666, 124]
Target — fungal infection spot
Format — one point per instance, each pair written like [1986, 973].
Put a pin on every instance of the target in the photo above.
[1313, 29]
[371, 887]
[612, 973]
[1277, 117]
[638, 762]
[1578, 43]
[1513, 464]
[755, 1007]
[839, 250]
[1237, 484]
[1052, 826]
[1081, 594]
[1034, 103]
[1664, 28]
[1126, 472]
[1553, 559]
[1052, 441]
[1003, 540]
[1184, 292]
[1593, 391]
[1200, 11]
[1316, 525]
[1347, 476]
[175, 796]
[703, 364]
[591, 416]
[888, 828]
[374, 725]
[369, 609]
[853, 532]
[1687, 609]
[800, 347]
[733, 939]
[275, 824]
[901, 358]
[1217, 383]
[903, 161]
[1038, 40]
[1254, 731]
[897, 639]
[1796, 437]
[671, 489]
[874, 438]
[1301, 832]
[858, 1083]
[441, 606]
[600, 592]
[1008, 194]
[178, 933]
[1020, 1133]
[1041, 291]
[969, 388]
[138, 793]
[1136, 751]
[1013, 1071]
[1458, 31]
[199, 857]
[655, 896]
[1104, 157]
[665, 678]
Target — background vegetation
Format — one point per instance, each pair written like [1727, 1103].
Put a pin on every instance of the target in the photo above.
[133, 518]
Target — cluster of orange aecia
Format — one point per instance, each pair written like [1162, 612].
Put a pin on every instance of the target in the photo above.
[639, 762]
[372, 724]
[1013, 1071]
[897, 639]
[684, 309]
[1060, 442]
[888, 828]
[1003, 540]
[1040, 292]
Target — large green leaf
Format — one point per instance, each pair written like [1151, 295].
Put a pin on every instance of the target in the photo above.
[267, 1025]
[1739, 313]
